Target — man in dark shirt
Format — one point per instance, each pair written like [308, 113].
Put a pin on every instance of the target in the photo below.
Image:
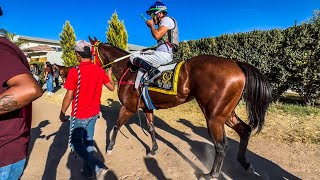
[18, 89]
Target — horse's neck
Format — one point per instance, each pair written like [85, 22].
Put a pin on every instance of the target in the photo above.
[120, 67]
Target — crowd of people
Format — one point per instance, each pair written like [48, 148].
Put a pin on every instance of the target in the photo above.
[50, 76]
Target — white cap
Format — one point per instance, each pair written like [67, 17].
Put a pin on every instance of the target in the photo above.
[80, 45]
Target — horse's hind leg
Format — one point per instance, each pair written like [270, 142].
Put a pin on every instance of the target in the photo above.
[244, 132]
[217, 132]
[150, 118]
[124, 116]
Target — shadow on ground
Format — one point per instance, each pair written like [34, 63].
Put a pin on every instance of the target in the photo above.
[202, 150]
[56, 151]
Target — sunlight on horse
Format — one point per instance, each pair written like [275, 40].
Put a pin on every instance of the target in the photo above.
[216, 83]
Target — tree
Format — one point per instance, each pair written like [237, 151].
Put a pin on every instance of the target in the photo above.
[315, 17]
[11, 36]
[67, 43]
[116, 32]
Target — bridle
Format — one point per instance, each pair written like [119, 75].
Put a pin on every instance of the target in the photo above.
[96, 55]
[98, 61]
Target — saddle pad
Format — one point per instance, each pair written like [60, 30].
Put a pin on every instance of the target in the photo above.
[167, 82]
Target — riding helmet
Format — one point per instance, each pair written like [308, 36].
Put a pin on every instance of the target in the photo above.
[157, 7]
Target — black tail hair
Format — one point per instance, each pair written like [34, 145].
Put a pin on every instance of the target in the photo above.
[258, 95]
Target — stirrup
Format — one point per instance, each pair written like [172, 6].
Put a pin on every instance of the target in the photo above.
[152, 74]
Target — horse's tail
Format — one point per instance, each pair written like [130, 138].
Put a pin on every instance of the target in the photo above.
[257, 95]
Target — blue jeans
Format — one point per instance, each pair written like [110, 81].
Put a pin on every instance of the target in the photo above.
[12, 171]
[83, 144]
[49, 82]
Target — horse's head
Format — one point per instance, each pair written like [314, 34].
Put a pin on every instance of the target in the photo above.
[97, 53]
[104, 54]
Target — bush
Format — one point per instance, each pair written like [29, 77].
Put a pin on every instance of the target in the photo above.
[289, 58]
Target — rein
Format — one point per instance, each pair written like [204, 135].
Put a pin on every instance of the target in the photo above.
[121, 82]
[117, 60]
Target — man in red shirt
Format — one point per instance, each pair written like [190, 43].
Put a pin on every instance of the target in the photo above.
[18, 89]
[86, 98]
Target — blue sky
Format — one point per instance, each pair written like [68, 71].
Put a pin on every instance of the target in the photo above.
[196, 18]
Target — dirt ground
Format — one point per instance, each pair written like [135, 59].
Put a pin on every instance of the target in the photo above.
[184, 153]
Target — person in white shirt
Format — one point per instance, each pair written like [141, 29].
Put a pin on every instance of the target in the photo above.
[166, 35]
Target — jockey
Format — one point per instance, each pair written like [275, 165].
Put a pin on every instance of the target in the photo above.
[166, 35]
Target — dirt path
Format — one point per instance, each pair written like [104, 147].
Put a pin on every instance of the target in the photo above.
[183, 154]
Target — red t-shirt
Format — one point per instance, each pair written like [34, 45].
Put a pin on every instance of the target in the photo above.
[92, 79]
[14, 126]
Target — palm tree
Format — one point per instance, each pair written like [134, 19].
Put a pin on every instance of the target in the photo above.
[11, 36]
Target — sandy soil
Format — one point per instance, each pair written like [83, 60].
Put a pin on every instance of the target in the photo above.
[183, 153]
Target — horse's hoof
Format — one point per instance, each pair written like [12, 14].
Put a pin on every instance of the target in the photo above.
[207, 177]
[151, 153]
[109, 152]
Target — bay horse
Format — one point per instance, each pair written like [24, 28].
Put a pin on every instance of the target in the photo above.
[216, 83]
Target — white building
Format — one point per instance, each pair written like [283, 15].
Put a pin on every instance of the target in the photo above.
[43, 50]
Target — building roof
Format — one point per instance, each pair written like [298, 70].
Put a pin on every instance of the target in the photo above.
[35, 39]
[39, 48]
[131, 47]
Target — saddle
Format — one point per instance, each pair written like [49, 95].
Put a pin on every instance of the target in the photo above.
[165, 83]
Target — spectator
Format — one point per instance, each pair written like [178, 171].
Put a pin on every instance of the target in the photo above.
[48, 77]
[34, 71]
[17, 91]
[56, 73]
[87, 99]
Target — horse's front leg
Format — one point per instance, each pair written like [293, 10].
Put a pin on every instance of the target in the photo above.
[124, 116]
[150, 118]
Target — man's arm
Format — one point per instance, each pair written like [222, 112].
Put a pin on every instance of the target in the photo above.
[65, 104]
[110, 84]
[22, 90]
[156, 33]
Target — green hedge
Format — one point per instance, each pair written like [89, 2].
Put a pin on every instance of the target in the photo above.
[290, 58]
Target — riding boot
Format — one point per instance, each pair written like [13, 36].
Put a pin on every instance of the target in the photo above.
[153, 72]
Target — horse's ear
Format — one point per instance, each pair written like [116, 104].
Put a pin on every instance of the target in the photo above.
[91, 41]
[95, 38]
